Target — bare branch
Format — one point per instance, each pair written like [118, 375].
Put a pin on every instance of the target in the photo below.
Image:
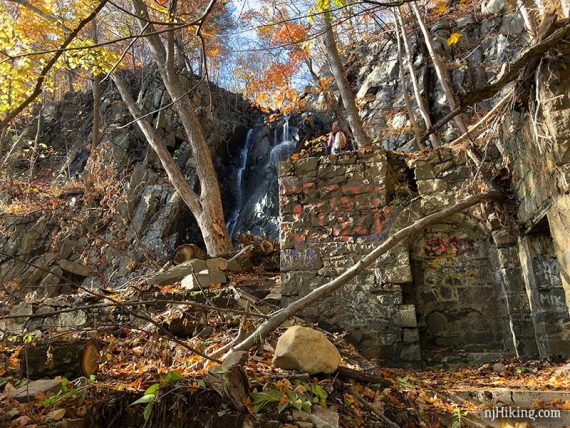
[259, 335]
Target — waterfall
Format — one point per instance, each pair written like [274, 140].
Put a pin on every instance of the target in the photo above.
[286, 148]
[239, 188]
[255, 185]
[286, 129]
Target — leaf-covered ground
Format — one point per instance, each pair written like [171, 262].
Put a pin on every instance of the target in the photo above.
[168, 382]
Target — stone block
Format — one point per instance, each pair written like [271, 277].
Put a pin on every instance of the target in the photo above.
[396, 274]
[431, 186]
[503, 237]
[355, 187]
[296, 259]
[293, 282]
[204, 279]
[306, 165]
[508, 257]
[405, 316]
[217, 263]
[389, 299]
[411, 335]
[410, 353]
[460, 173]
[442, 167]
[290, 186]
[424, 172]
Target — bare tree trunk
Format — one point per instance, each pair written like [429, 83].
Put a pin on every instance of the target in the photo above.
[208, 207]
[96, 97]
[360, 135]
[440, 68]
[403, 82]
[192, 200]
[269, 325]
[2, 142]
[424, 110]
[69, 80]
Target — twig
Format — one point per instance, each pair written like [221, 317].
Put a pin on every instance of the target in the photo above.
[369, 406]
[129, 311]
[240, 336]
[138, 303]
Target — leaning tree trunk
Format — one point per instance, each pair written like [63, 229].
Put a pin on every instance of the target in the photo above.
[346, 94]
[96, 96]
[207, 207]
[424, 110]
[440, 68]
[192, 200]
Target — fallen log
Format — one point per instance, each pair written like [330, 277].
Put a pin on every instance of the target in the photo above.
[248, 256]
[70, 358]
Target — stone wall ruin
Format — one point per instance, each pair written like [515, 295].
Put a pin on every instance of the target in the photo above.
[471, 287]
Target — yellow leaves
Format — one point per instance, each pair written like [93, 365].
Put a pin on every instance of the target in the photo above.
[454, 38]
[441, 7]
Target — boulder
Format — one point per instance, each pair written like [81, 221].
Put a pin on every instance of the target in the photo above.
[28, 391]
[306, 350]
[204, 279]
[177, 273]
[217, 263]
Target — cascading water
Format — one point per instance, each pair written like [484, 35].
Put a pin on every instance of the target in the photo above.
[239, 189]
[286, 148]
[256, 192]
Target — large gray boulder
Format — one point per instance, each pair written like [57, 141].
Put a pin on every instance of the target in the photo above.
[306, 350]
[207, 278]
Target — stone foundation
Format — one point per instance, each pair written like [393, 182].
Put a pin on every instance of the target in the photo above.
[469, 285]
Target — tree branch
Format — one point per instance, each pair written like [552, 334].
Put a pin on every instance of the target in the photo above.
[155, 141]
[491, 89]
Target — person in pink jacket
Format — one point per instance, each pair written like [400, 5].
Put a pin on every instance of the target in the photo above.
[337, 139]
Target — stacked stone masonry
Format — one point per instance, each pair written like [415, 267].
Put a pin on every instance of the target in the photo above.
[471, 285]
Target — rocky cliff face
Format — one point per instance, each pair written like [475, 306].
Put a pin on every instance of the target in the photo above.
[490, 37]
[133, 218]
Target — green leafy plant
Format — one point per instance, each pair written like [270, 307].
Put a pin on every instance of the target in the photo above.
[76, 390]
[404, 381]
[301, 398]
[151, 393]
[458, 414]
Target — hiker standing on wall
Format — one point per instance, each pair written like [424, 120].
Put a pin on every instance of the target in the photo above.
[338, 141]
